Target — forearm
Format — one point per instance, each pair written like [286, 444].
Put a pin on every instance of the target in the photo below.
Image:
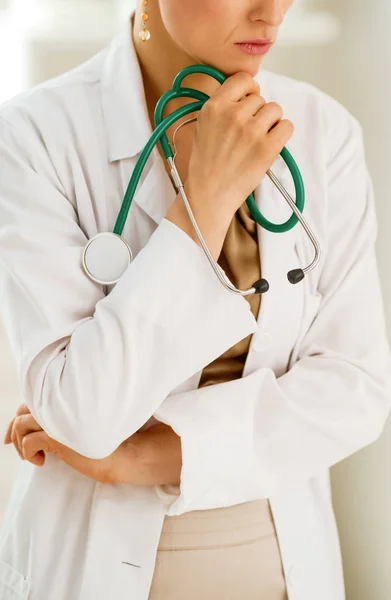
[210, 220]
[152, 457]
[159, 452]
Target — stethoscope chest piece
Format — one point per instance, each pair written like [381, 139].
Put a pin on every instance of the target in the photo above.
[106, 258]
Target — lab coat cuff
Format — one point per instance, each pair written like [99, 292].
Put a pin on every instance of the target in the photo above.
[217, 461]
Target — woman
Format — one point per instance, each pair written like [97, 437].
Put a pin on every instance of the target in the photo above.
[177, 438]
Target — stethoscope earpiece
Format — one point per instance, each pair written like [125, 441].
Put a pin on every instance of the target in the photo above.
[261, 286]
[295, 276]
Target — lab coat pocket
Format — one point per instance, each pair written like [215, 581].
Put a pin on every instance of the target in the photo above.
[13, 585]
[312, 303]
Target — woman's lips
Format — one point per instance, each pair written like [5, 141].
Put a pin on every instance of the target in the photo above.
[255, 49]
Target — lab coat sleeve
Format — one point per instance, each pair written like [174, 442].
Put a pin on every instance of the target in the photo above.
[253, 437]
[94, 368]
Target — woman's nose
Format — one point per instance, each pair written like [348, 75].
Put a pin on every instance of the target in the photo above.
[272, 12]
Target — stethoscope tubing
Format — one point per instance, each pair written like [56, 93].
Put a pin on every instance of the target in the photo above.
[159, 135]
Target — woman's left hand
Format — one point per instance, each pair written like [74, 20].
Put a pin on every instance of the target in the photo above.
[152, 457]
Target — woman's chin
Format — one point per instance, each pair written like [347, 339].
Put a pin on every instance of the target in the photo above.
[250, 65]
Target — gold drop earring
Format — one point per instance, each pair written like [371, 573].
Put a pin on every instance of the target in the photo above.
[144, 33]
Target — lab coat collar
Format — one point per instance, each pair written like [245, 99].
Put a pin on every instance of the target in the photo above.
[123, 99]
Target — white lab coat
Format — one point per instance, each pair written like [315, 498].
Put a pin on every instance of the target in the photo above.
[96, 364]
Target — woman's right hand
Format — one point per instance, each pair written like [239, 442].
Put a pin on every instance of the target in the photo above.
[237, 139]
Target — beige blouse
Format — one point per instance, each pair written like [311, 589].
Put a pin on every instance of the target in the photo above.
[240, 260]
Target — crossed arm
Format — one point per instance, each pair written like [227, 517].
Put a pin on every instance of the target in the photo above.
[151, 457]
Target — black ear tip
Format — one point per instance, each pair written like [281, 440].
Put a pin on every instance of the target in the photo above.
[295, 276]
[261, 286]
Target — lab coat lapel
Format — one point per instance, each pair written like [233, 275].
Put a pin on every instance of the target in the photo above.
[155, 193]
[128, 129]
[152, 199]
[282, 306]
[277, 251]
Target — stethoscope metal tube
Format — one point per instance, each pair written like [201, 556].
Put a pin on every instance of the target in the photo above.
[261, 286]
[297, 275]
[216, 267]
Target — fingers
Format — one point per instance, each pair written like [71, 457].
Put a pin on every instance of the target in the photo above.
[282, 132]
[22, 426]
[252, 103]
[269, 115]
[7, 437]
[34, 446]
[236, 86]
[29, 439]
[21, 410]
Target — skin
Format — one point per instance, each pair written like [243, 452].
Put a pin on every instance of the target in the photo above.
[182, 33]
[202, 31]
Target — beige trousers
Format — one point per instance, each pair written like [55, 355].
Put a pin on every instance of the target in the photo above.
[221, 554]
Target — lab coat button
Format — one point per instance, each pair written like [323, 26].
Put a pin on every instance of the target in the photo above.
[262, 341]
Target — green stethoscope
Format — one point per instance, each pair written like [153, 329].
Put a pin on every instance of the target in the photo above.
[107, 255]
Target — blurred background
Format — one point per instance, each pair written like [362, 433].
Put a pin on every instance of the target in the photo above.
[341, 46]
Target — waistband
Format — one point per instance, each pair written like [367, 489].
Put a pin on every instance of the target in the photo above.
[218, 527]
